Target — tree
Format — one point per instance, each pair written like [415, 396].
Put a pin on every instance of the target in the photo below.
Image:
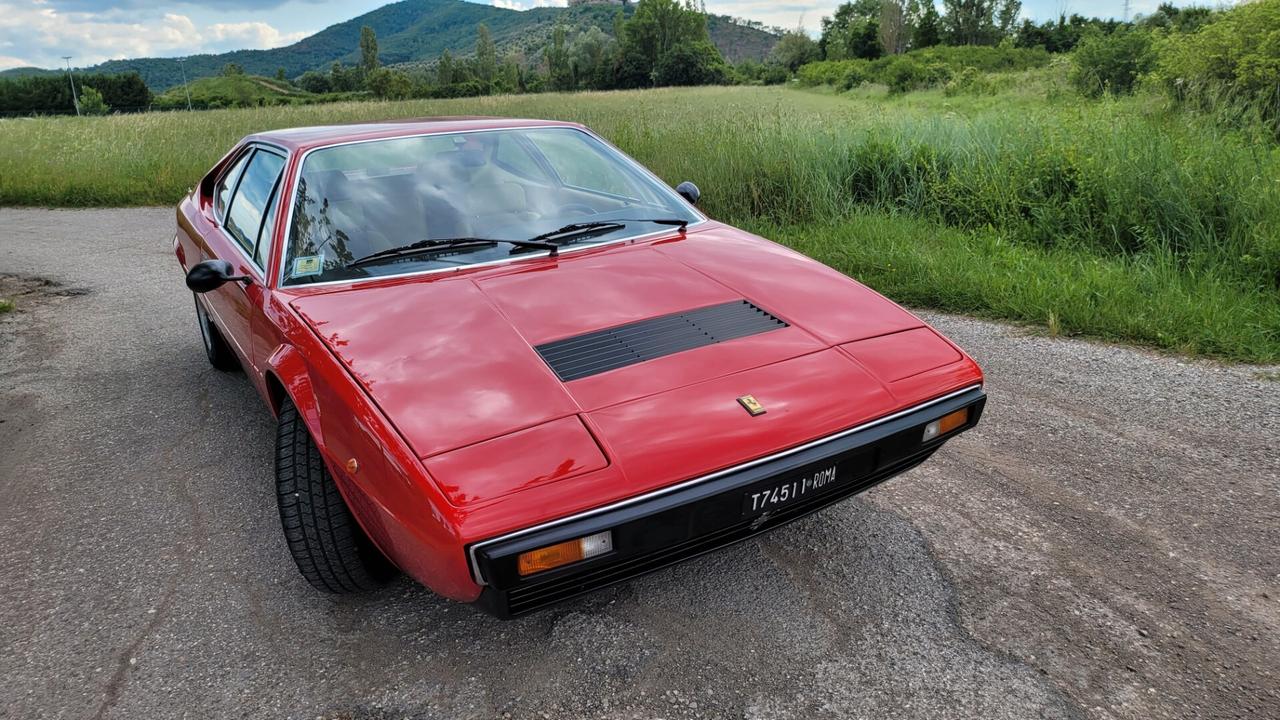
[556, 55]
[659, 26]
[446, 69]
[231, 70]
[793, 49]
[486, 56]
[1007, 18]
[345, 79]
[91, 102]
[927, 31]
[1111, 63]
[388, 84]
[368, 49]
[590, 58]
[979, 22]
[894, 30]
[315, 82]
[280, 75]
[697, 63]
[852, 32]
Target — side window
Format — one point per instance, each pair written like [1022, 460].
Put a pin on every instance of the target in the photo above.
[511, 155]
[579, 164]
[227, 185]
[252, 196]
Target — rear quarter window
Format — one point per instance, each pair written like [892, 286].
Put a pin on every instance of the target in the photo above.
[227, 185]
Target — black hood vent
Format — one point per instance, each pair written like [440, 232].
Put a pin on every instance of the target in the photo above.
[604, 350]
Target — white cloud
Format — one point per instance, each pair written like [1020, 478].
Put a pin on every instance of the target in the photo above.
[33, 33]
[250, 35]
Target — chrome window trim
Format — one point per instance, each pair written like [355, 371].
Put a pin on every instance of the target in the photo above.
[296, 176]
[220, 222]
[475, 567]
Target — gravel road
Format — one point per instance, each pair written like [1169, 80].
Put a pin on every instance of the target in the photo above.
[1103, 546]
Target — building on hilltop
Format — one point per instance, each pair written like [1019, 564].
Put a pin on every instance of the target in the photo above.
[577, 3]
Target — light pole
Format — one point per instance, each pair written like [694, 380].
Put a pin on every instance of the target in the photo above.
[185, 89]
[74, 100]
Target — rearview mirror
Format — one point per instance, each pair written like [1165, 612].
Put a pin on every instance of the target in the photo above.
[689, 192]
[211, 275]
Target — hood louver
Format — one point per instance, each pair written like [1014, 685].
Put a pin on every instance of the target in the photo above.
[603, 350]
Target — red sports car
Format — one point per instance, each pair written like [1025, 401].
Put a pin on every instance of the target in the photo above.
[509, 361]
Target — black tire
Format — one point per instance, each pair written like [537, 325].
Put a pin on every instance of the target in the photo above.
[215, 346]
[330, 548]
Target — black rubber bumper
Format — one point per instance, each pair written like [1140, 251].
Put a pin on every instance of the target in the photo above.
[692, 518]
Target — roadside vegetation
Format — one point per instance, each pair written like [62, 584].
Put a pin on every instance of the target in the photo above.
[1125, 191]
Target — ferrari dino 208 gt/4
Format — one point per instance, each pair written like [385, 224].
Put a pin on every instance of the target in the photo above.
[508, 360]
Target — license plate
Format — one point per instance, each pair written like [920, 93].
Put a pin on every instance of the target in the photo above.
[762, 499]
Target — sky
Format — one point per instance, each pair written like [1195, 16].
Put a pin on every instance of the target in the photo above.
[40, 32]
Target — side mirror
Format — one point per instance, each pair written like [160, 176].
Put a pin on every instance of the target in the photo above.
[211, 275]
[689, 192]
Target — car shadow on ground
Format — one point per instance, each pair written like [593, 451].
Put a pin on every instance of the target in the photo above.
[842, 613]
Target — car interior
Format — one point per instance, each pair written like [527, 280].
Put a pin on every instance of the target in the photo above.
[480, 185]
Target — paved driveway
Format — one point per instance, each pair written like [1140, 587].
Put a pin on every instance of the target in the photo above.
[1104, 545]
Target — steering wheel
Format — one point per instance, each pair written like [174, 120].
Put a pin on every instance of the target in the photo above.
[578, 209]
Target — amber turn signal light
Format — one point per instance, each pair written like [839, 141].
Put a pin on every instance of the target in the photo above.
[554, 556]
[946, 424]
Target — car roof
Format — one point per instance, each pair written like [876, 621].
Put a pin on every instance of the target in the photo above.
[305, 138]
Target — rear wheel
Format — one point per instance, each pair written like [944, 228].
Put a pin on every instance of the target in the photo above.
[215, 346]
[330, 548]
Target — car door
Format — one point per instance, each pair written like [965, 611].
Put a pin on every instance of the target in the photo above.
[245, 205]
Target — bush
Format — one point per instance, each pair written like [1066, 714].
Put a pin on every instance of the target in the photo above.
[773, 74]
[1235, 58]
[91, 102]
[826, 72]
[1111, 63]
[920, 68]
[696, 63]
[903, 74]
[972, 81]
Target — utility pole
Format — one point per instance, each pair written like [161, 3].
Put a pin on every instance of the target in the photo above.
[74, 100]
[185, 89]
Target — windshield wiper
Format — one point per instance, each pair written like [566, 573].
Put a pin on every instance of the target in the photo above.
[426, 246]
[599, 226]
[584, 228]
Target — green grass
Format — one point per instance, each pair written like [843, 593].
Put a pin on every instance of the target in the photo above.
[1151, 301]
[6, 306]
[1118, 219]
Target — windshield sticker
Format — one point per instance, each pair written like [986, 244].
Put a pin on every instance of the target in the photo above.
[307, 265]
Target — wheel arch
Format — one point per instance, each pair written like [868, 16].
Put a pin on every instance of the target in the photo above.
[288, 378]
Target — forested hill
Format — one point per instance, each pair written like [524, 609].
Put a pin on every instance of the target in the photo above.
[418, 31]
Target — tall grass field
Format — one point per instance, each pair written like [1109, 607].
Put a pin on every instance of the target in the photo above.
[1119, 219]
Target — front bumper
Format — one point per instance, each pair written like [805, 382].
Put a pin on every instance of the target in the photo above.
[694, 517]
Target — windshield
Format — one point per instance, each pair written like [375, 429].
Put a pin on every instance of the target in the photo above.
[356, 200]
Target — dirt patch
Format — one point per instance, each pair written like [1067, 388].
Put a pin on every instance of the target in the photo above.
[20, 293]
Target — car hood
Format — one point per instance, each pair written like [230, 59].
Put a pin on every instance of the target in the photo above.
[452, 360]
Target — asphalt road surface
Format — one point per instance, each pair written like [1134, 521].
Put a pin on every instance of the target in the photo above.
[1105, 545]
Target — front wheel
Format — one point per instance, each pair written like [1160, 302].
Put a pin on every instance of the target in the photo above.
[329, 547]
[215, 346]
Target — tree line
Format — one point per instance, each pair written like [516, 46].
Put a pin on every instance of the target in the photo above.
[664, 42]
[97, 94]
[872, 29]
